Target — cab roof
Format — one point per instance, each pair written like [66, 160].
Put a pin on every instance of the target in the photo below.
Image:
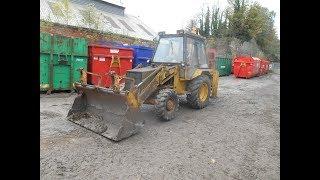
[182, 34]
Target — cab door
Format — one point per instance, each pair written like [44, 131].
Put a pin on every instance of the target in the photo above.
[195, 57]
[192, 61]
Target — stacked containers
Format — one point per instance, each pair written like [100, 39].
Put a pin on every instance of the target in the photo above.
[211, 57]
[79, 58]
[223, 65]
[60, 59]
[45, 59]
[264, 67]
[142, 55]
[267, 65]
[246, 66]
[104, 59]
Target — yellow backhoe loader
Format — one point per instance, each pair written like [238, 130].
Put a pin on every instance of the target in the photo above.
[179, 67]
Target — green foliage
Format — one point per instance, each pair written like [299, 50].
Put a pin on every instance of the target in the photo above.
[237, 19]
[90, 16]
[238, 5]
[201, 31]
[201, 28]
[207, 24]
[255, 20]
[62, 9]
[215, 21]
[267, 38]
[247, 23]
[45, 25]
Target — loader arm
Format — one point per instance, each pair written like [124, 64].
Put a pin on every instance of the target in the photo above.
[151, 83]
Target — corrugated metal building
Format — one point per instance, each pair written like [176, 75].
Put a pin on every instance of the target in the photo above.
[106, 17]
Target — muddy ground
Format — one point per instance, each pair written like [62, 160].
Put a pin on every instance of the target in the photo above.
[236, 137]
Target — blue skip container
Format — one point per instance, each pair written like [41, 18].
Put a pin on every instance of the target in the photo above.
[142, 54]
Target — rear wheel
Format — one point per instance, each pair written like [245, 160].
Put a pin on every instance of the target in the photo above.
[167, 103]
[199, 92]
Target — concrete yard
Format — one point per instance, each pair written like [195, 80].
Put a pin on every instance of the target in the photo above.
[236, 137]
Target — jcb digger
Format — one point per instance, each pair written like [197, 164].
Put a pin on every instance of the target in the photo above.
[179, 67]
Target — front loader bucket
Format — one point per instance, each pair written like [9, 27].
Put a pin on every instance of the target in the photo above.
[105, 113]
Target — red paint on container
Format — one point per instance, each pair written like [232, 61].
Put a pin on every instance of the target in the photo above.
[264, 67]
[246, 67]
[103, 59]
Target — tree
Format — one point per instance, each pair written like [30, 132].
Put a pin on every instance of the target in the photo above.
[218, 22]
[252, 25]
[255, 20]
[62, 9]
[201, 31]
[237, 4]
[237, 20]
[192, 23]
[214, 21]
[201, 22]
[90, 16]
[262, 29]
[222, 30]
[207, 24]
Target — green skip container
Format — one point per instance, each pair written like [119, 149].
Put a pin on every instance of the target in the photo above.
[60, 59]
[223, 65]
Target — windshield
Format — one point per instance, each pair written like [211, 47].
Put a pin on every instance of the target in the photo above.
[169, 50]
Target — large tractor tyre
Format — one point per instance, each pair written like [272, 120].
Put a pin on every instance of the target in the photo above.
[199, 92]
[167, 103]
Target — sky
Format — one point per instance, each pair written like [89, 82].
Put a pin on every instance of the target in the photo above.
[171, 15]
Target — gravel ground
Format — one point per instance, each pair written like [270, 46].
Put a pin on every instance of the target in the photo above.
[236, 137]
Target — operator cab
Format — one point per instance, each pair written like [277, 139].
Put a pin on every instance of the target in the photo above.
[182, 48]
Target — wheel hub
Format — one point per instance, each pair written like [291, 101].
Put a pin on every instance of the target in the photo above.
[170, 105]
[203, 92]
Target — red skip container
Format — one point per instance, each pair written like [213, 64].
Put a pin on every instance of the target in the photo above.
[264, 67]
[246, 67]
[103, 59]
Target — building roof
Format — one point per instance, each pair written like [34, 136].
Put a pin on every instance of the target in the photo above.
[114, 2]
[109, 18]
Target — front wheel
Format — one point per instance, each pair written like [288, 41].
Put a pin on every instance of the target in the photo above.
[199, 92]
[167, 103]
